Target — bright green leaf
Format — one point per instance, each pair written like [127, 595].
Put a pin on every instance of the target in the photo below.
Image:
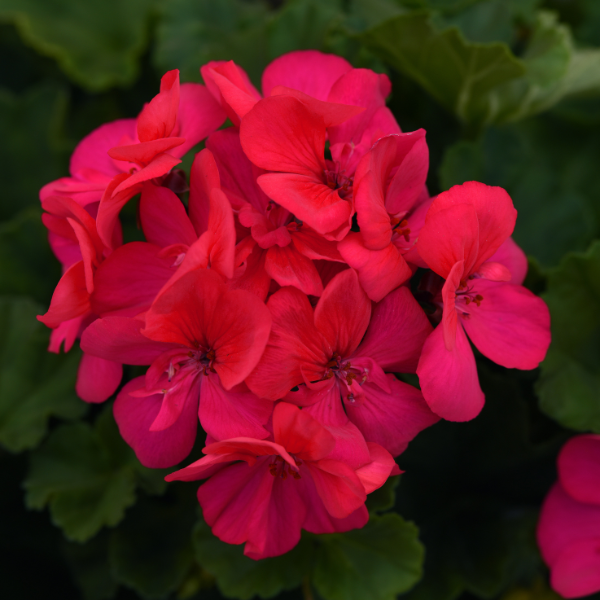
[194, 32]
[241, 577]
[87, 475]
[379, 561]
[35, 115]
[569, 387]
[34, 383]
[151, 550]
[461, 75]
[98, 44]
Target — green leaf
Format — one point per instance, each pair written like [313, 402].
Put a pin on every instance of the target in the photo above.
[87, 475]
[90, 568]
[241, 577]
[151, 550]
[303, 24]
[461, 75]
[379, 561]
[98, 44]
[569, 386]
[549, 170]
[34, 383]
[26, 261]
[194, 32]
[383, 498]
[36, 115]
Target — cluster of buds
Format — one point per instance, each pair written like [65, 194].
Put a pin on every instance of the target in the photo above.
[280, 288]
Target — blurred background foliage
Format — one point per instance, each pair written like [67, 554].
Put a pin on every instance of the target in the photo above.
[509, 93]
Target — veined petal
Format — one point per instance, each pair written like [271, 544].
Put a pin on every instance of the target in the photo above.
[396, 333]
[343, 312]
[154, 449]
[97, 378]
[511, 325]
[308, 71]
[449, 379]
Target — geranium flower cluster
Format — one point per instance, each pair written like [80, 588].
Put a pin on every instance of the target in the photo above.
[275, 307]
[569, 526]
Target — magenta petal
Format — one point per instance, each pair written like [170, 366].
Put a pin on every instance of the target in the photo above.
[199, 114]
[343, 312]
[308, 71]
[247, 504]
[127, 282]
[494, 271]
[350, 445]
[174, 400]
[163, 217]
[92, 151]
[514, 259]
[338, 486]
[391, 419]
[449, 379]
[579, 468]
[237, 412]
[309, 200]
[564, 521]
[379, 271]
[154, 449]
[70, 298]
[288, 267]
[576, 572]
[511, 326]
[119, 339]
[281, 134]
[375, 473]
[318, 520]
[97, 378]
[397, 332]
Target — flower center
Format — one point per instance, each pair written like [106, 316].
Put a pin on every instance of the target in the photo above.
[345, 373]
[281, 468]
[202, 359]
[466, 293]
[336, 180]
[400, 228]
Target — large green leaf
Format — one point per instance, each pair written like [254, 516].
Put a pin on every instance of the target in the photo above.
[461, 75]
[379, 561]
[461, 63]
[549, 169]
[151, 550]
[86, 475]
[34, 383]
[241, 577]
[569, 387]
[98, 44]
[36, 115]
[193, 32]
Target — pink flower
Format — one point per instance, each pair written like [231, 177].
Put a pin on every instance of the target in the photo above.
[282, 245]
[276, 487]
[202, 340]
[345, 384]
[569, 527]
[172, 123]
[131, 277]
[389, 188]
[464, 228]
